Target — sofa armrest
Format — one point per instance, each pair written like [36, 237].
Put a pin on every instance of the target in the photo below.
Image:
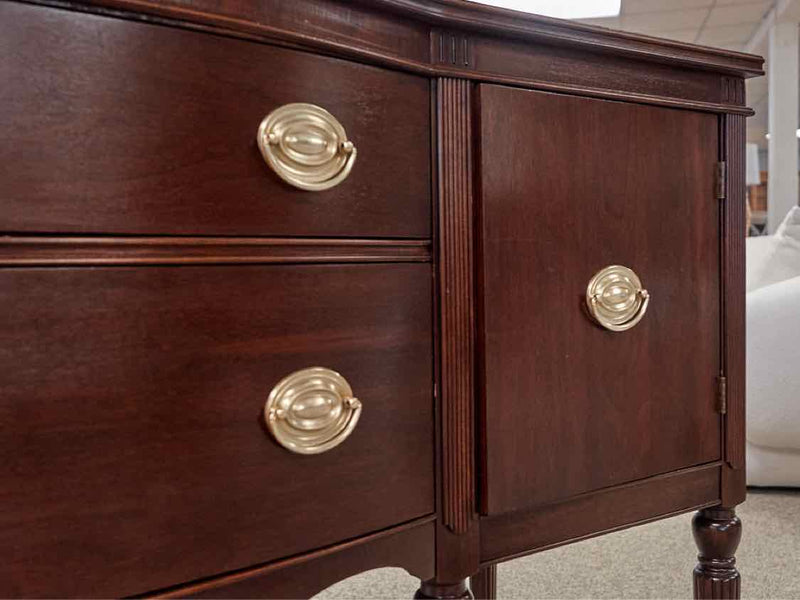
[773, 365]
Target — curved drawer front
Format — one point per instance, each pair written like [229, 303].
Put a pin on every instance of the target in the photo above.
[139, 455]
[113, 126]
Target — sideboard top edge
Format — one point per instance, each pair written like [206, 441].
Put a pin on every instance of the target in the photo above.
[729, 99]
[462, 15]
[501, 21]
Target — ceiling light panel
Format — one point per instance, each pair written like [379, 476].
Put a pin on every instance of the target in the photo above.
[563, 9]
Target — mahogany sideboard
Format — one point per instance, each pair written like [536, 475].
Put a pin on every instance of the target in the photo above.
[295, 289]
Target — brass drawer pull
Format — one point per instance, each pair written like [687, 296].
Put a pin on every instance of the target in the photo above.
[616, 299]
[306, 146]
[311, 411]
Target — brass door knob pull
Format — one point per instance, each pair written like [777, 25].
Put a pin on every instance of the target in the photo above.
[306, 146]
[311, 411]
[616, 299]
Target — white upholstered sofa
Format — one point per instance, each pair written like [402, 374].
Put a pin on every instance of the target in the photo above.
[773, 356]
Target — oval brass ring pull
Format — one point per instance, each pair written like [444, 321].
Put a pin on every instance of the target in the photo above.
[306, 146]
[616, 299]
[311, 411]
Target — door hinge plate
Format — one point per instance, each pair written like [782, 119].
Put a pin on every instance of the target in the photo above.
[721, 179]
[722, 394]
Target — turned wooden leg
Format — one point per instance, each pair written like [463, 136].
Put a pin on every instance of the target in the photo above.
[717, 532]
[484, 583]
[433, 590]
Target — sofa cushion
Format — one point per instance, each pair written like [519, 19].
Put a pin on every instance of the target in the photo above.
[772, 466]
[783, 262]
[757, 251]
[773, 357]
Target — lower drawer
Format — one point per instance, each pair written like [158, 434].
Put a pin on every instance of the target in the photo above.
[135, 453]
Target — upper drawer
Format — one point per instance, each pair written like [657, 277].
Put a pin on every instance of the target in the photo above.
[111, 126]
[137, 455]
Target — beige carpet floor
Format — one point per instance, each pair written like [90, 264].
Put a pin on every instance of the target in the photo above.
[650, 561]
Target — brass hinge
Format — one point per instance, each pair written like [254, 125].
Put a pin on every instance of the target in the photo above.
[722, 394]
[721, 179]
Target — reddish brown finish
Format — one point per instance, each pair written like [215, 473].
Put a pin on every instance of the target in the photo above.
[368, 33]
[484, 583]
[120, 127]
[138, 458]
[733, 282]
[457, 550]
[457, 555]
[571, 407]
[571, 67]
[733, 90]
[41, 251]
[409, 546]
[456, 303]
[339, 24]
[452, 49]
[717, 533]
[596, 513]
[733, 484]
[141, 122]
[401, 40]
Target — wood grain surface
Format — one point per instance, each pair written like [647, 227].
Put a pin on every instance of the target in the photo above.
[717, 532]
[113, 126]
[157, 279]
[596, 513]
[734, 287]
[397, 32]
[734, 485]
[569, 186]
[456, 303]
[572, 67]
[105, 250]
[409, 546]
[484, 583]
[138, 457]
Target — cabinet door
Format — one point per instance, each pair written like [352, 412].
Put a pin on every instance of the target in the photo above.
[571, 185]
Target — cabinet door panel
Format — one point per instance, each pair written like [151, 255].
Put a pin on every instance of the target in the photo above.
[569, 186]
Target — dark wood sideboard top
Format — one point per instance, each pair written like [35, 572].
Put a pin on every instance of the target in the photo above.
[473, 41]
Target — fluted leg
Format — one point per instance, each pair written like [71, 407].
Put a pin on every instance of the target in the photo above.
[432, 590]
[717, 532]
[484, 583]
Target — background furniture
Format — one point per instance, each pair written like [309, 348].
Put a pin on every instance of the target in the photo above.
[756, 192]
[773, 330]
[298, 289]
